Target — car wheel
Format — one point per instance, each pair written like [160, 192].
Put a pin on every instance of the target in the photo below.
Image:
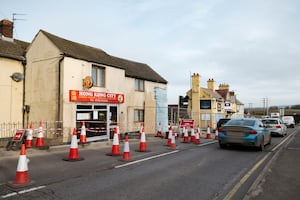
[222, 146]
[270, 139]
[262, 145]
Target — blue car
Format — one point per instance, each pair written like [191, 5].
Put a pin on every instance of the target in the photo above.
[244, 131]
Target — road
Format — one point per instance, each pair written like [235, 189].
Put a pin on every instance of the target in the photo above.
[190, 172]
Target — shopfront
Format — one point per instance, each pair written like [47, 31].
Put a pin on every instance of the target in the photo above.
[98, 110]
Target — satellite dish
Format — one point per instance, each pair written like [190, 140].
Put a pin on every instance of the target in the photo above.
[17, 76]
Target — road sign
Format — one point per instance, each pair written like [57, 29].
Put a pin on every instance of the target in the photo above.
[188, 123]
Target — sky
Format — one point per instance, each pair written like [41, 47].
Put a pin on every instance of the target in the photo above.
[252, 45]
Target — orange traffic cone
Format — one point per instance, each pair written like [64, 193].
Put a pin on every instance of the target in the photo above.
[140, 131]
[73, 153]
[217, 134]
[22, 168]
[126, 151]
[208, 135]
[173, 142]
[82, 139]
[185, 135]
[28, 142]
[115, 149]
[143, 144]
[200, 132]
[159, 132]
[40, 137]
[170, 136]
[192, 135]
[197, 138]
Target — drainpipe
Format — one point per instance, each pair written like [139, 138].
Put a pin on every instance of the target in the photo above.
[59, 88]
[23, 100]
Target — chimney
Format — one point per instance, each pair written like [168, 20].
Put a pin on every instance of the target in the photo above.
[211, 84]
[6, 28]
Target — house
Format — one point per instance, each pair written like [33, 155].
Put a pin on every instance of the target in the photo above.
[12, 67]
[207, 105]
[68, 83]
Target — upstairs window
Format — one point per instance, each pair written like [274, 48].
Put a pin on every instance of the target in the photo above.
[98, 76]
[139, 85]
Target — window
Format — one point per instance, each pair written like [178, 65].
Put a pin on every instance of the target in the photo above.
[139, 85]
[138, 115]
[98, 76]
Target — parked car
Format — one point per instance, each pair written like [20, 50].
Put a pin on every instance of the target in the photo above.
[244, 131]
[275, 125]
[221, 122]
[289, 121]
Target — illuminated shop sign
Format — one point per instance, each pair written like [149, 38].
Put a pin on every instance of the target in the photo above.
[98, 97]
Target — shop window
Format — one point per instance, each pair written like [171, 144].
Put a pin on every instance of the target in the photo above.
[139, 85]
[98, 76]
[138, 115]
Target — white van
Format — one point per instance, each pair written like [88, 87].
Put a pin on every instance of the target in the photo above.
[289, 121]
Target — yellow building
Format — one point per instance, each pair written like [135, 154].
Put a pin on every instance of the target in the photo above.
[68, 83]
[207, 105]
[12, 65]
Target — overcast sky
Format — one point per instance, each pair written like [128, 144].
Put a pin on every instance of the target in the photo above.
[252, 45]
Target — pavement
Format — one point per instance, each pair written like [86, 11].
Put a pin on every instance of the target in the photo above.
[280, 178]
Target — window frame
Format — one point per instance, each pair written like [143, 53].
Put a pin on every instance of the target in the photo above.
[99, 71]
[139, 85]
[139, 115]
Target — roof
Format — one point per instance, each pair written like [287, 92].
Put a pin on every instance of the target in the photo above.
[213, 94]
[14, 49]
[91, 54]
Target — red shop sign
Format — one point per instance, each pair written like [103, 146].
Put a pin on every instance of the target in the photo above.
[98, 97]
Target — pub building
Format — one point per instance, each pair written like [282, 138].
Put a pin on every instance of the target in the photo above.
[67, 83]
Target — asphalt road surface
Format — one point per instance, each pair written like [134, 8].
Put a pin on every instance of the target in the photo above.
[190, 172]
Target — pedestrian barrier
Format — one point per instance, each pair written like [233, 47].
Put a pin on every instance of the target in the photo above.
[73, 153]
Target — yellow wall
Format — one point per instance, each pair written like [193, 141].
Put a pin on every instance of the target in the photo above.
[11, 92]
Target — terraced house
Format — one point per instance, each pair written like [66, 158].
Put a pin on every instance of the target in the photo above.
[12, 67]
[64, 83]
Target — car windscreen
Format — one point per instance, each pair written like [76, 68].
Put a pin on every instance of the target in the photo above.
[270, 121]
[241, 122]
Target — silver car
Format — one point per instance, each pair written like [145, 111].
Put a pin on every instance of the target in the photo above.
[275, 125]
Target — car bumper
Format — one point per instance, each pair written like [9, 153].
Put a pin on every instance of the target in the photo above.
[250, 140]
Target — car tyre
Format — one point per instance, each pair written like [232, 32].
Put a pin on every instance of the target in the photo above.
[222, 146]
[262, 145]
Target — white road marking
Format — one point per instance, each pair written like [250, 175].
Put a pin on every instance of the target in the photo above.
[22, 192]
[145, 159]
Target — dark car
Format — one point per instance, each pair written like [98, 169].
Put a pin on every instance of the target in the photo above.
[221, 122]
